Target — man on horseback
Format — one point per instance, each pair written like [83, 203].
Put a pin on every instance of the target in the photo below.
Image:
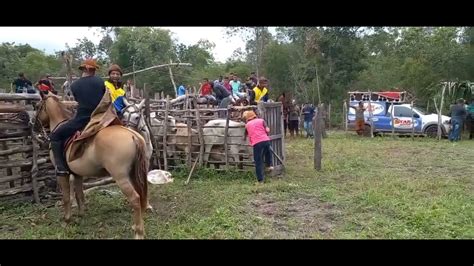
[88, 92]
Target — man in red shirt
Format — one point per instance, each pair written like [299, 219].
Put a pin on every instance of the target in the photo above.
[206, 88]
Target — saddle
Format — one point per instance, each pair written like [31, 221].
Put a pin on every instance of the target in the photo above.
[103, 116]
[71, 139]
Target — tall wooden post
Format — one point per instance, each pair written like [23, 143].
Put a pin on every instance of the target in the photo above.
[317, 139]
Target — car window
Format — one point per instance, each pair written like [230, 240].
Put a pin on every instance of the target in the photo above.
[402, 111]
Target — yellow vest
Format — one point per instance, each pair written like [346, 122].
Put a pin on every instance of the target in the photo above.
[259, 93]
[117, 95]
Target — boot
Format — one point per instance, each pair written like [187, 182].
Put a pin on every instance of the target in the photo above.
[59, 158]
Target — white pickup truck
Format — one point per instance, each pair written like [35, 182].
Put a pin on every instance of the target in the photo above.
[402, 119]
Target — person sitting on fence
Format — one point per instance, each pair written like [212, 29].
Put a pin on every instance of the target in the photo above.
[88, 92]
[359, 118]
[219, 81]
[261, 91]
[248, 89]
[223, 98]
[191, 89]
[253, 78]
[115, 86]
[22, 83]
[46, 86]
[308, 112]
[235, 84]
[181, 90]
[458, 114]
[205, 93]
[257, 130]
[206, 88]
[227, 85]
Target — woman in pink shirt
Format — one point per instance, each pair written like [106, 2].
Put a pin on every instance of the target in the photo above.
[257, 131]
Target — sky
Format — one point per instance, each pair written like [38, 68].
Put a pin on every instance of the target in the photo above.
[51, 39]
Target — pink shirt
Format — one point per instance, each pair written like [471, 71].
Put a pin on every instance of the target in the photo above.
[256, 131]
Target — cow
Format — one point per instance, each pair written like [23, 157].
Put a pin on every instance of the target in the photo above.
[157, 130]
[181, 138]
[214, 132]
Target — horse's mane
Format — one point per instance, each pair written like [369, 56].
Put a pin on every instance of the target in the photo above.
[68, 113]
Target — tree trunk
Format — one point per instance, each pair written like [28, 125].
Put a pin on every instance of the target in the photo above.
[440, 111]
[172, 80]
[317, 82]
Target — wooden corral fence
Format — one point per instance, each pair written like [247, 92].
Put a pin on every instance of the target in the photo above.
[26, 170]
[171, 148]
[24, 165]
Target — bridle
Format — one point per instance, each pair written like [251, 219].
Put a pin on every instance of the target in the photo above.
[130, 124]
[38, 124]
[44, 137]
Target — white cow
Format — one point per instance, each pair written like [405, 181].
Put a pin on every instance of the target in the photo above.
[158, 130]
[213, 134]
[182, 138]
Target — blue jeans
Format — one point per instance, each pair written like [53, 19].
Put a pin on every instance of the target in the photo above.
[259, 150]
[456, 127]
[308, 126]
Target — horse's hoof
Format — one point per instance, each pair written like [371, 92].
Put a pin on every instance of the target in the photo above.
[139, 236]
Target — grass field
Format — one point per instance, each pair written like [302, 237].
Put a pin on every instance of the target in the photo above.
[368, 188]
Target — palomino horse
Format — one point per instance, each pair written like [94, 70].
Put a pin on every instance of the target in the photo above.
[114, 151]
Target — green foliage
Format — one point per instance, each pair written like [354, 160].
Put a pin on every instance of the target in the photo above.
[298, 60]
[23, 58]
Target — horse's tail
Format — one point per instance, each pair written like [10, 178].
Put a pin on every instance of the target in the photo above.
[139, 171]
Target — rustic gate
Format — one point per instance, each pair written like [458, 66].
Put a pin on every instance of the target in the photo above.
[273, 114]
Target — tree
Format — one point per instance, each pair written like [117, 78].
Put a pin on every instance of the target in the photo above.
[415, 59]
[257, 39]
[24, 58]
[143, 47]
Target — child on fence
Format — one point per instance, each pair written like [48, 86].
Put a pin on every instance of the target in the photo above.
[257, 131]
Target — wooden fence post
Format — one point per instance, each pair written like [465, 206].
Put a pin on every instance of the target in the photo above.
[317, 139]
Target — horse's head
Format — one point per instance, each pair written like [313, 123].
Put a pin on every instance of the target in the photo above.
[47, 109]
[132, 113]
